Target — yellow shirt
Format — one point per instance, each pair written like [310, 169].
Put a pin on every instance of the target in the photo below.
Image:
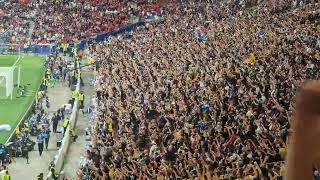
[251, 59]
[89, 60]
[110, 127]
[282, 152]
[112, 174]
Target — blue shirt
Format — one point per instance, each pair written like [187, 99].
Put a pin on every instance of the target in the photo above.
[261, 36]
[46, 133]
[40, 138]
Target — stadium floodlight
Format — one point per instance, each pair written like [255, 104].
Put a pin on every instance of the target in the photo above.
[9, 77]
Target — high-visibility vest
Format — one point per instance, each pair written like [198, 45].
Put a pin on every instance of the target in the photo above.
[39, 94]
[65, 122]
[53, 171]
[74, 94]
[6, 177]
[110, 127]
[39, 178]
[81, 97]
[17, 131]
[25, 125]
[48, 71]
[45, 82]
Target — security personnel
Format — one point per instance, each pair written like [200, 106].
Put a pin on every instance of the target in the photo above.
[81, 99]
[52, 169]
[40, 139]
[6, 176]
[48, 73]
[38, 96]
[45, 84]
[74, 95]
[73, 135]
[65, 124]
[25, 128]
[18, 130]
[40, 177]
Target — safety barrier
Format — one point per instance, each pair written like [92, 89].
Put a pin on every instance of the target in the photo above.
[62, 153]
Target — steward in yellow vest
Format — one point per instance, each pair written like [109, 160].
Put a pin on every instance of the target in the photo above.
[45, 84]
[81, 99]
[52, 169]
[65, 125]
[39, 177]
[6, 176]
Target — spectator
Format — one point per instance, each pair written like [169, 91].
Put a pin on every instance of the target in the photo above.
[218, 107]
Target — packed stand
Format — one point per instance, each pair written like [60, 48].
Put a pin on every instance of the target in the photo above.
[15, 22]
[78, 19]
[208, 92]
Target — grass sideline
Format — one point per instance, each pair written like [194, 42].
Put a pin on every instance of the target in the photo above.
[11, 111]
[8, 60]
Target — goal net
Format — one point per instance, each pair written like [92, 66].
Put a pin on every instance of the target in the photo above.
[3, 81]
[6, 82]
[9, 79]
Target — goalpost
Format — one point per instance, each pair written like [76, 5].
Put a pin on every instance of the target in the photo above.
[9, 78]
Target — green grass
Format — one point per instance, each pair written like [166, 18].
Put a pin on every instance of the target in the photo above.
[7, 60]
[11, 111]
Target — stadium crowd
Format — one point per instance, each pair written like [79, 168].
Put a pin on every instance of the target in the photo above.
[78, 19]
[208, 92]
[14, 22]
[67, 21]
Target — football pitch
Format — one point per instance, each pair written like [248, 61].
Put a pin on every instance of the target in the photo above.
[11, 111]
